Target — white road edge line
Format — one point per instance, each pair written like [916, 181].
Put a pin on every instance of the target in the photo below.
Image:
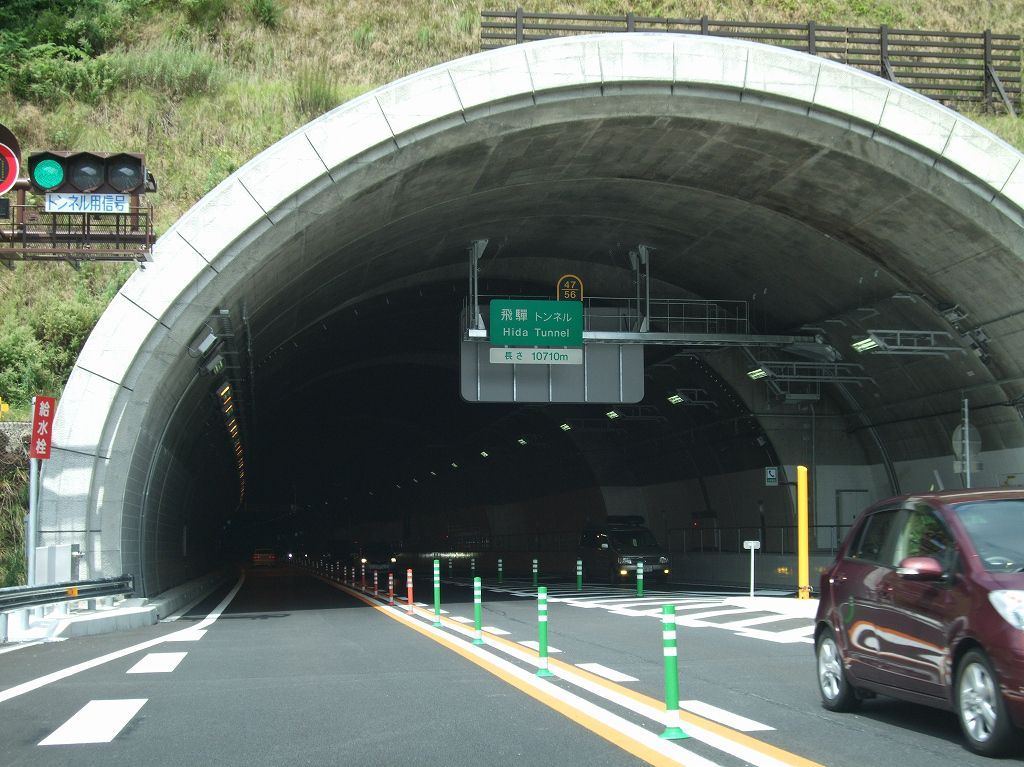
[56, 676]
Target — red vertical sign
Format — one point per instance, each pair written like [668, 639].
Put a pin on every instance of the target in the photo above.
[42, 426]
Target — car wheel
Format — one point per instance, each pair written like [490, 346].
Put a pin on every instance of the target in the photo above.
[835, 689]
[980, 706]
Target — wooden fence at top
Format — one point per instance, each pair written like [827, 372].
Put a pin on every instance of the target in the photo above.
[979, 70]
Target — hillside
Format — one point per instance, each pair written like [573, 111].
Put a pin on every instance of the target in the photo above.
[201, 86]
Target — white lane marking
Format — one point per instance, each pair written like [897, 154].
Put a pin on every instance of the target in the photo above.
[720, 715]
[460, 619]
[56, 676]
[158, 663]
[607, 673]
[99, 721]
[673, 751]
[773, 618]
[536, 646]
[495, 630]
[187, 635]
[656, 714]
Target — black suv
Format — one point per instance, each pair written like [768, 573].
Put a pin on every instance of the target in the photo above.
[613, 550]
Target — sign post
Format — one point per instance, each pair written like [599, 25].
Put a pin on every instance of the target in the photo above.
[752, 546]
[39, 449]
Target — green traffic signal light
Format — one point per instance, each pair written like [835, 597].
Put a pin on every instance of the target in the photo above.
[48, 174]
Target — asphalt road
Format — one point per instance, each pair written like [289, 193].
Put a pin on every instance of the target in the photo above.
[299, 671]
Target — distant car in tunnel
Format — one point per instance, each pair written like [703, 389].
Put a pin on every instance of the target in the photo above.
[925, 603]
[375, 557]
[614, 550]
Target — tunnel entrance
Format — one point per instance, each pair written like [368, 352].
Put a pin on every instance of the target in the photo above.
[323, 284]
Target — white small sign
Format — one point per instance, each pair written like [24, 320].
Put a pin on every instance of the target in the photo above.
[75, 202]
[771, 476]
[751, 545]
[507, 356]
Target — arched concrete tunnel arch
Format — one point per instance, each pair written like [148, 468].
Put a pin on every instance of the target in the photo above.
[331, 269]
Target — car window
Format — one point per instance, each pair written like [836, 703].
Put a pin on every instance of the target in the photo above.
[924, 534]
[875, 539]
[996, 528]
[634, 539]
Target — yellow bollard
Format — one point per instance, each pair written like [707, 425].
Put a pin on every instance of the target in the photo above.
[803, 556]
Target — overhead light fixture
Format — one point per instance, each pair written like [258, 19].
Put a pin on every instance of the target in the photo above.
[676, 399]
[565, 427]
[521, 441]
[204, 346]
[433, 473]
[865, 344]
[455, 465]
[484, 453]
[612, 414]
[757, 373]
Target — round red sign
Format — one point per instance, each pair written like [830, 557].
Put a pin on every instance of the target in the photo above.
[9, 168]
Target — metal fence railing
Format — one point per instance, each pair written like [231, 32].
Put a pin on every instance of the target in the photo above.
[977, 69]
[19, 597]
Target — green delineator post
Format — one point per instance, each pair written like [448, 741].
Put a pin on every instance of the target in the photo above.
[477, 610]
[534, 572]
[579, 575]
[542, 631]
[499, 570]
[437, 593]
[640, 578]
[673, 730]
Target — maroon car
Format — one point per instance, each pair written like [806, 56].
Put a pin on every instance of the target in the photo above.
[925, 602]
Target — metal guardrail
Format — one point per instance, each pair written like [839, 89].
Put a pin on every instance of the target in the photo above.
[19, 597]
[980, 69]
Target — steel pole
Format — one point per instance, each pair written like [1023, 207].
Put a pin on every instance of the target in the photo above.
[803, 555]
[30, 533]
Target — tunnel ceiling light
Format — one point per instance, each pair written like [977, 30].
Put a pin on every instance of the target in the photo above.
[204, 346]
[484, 453]
[865, 344]
[522, 441]
[676, 399]
[225, 390]
[757, 373]
[565, 427]
[433, 473]
[455, 465]
[612, 414]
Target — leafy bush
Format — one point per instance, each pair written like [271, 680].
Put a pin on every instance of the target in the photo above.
[266, 12]
[48, 74]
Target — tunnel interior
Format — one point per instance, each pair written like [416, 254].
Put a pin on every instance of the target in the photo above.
[336, 320]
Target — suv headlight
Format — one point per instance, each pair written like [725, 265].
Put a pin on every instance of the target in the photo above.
[1009, 604]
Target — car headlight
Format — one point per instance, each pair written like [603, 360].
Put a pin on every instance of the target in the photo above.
[393, 560]
[662, 560]
[1009, 604]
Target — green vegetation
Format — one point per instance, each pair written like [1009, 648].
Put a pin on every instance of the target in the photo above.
[201, 86]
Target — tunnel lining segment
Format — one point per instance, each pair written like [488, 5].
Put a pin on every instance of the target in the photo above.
[117, 413]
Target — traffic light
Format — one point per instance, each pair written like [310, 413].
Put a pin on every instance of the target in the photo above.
[80, 172]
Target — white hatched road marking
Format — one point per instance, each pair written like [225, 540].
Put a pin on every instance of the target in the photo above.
[608, 673]
[158, 663]
[99, 721]
[536, 646]
[495, 630]
[720, 715]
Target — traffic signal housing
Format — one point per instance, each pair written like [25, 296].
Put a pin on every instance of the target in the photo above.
[88, 172]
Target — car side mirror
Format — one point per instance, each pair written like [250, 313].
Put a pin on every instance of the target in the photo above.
[920, 569]
[604, 545]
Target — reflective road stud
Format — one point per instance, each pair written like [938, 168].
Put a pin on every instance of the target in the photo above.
[477, 609]
[673, 731]
[408, 588]
[579, 575]
[499, 570]
[437, 592]
[640, 579]
[542, 630]
[535, 572]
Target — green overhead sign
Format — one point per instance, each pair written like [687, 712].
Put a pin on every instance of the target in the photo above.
[536, 323]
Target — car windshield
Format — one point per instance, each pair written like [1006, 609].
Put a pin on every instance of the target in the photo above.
[634, 539]
[996, 528]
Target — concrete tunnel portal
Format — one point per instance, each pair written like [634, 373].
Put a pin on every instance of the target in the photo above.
[323, 282]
